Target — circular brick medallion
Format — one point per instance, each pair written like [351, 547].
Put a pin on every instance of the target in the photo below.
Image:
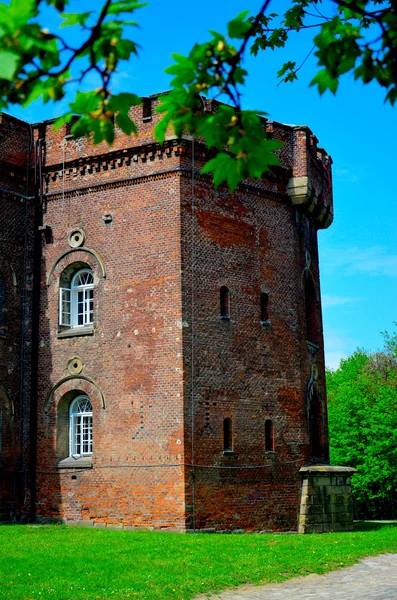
[75, 365]
[76, 238]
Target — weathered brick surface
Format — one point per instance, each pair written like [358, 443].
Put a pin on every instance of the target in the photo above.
[161, 368]
[16, 254]
[243, 369]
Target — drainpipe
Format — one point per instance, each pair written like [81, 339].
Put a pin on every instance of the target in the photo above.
[38, 204]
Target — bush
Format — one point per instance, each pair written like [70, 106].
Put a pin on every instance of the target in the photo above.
[362, 408]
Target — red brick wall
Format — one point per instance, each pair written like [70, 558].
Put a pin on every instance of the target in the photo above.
[134, 356]
[245, 370]
[149, 337]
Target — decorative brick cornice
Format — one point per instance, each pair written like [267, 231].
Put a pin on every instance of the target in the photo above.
[116, 159]
[252, 188]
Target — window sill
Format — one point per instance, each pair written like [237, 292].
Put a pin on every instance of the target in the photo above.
[75, 332]
[224, 317]
[229, 453]
[83, 462]
[265, 323]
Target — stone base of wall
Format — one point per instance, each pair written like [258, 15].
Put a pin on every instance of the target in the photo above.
[40, 519]
[326, 502]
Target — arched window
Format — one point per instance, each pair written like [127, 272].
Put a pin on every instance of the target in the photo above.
[269, 436]
[311, 310]
[76, 303]
[227, 435]
[225, 302]
[2, 304]
[80, 433]
[265, 308]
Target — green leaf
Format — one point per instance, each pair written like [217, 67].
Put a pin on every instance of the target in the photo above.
[125, 6]
[239, 75]
[219, 167]
[391, 96]
[21, 11]
[58, 4]
[125, 48]
[126, 124]
[161, 129]
[85, 102]
[66, 118]
[123, 102]
[9, 64]
[106, 132]
[325, 81]
[71, 19]
[238, 27]
[288, 66]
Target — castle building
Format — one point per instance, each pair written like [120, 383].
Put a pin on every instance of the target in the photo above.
[161, 346]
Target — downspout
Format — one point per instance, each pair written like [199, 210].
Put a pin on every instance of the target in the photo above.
[38, 204]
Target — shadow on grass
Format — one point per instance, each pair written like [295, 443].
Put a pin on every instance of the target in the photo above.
[373, 525]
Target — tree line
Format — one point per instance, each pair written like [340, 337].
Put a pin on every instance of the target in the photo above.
[362, 412]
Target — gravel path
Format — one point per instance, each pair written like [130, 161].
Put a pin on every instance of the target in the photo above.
[372, 578]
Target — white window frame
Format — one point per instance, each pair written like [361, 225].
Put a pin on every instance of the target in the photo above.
[77, 297]
[80, 428]
[65, 307]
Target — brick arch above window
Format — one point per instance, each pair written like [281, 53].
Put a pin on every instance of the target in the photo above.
[77, 255]
[82, 383]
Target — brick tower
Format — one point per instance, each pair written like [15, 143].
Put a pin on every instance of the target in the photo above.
[161, 341]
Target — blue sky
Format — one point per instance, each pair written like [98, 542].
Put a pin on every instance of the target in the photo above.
[358, 253]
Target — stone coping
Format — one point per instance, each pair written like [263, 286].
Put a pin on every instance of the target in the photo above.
[326, 470]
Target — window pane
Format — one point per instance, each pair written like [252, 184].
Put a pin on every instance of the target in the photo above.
[81, 426]
[80, 308]
[87, 435]
[83, 406]
[264, 307]
[83, 279]
[64, 307]
[76, 442]
[227, 434]
[89, 306]
[224, 302]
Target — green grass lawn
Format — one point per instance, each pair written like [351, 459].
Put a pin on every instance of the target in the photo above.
[64, 563]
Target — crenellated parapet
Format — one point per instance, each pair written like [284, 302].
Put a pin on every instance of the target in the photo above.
[304, 176]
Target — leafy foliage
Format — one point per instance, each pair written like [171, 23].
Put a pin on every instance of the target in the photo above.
[358, 36]
[37, 63]
[362, 407]
[237, 135]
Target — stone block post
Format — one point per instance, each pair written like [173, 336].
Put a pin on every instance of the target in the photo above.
[326, 502]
